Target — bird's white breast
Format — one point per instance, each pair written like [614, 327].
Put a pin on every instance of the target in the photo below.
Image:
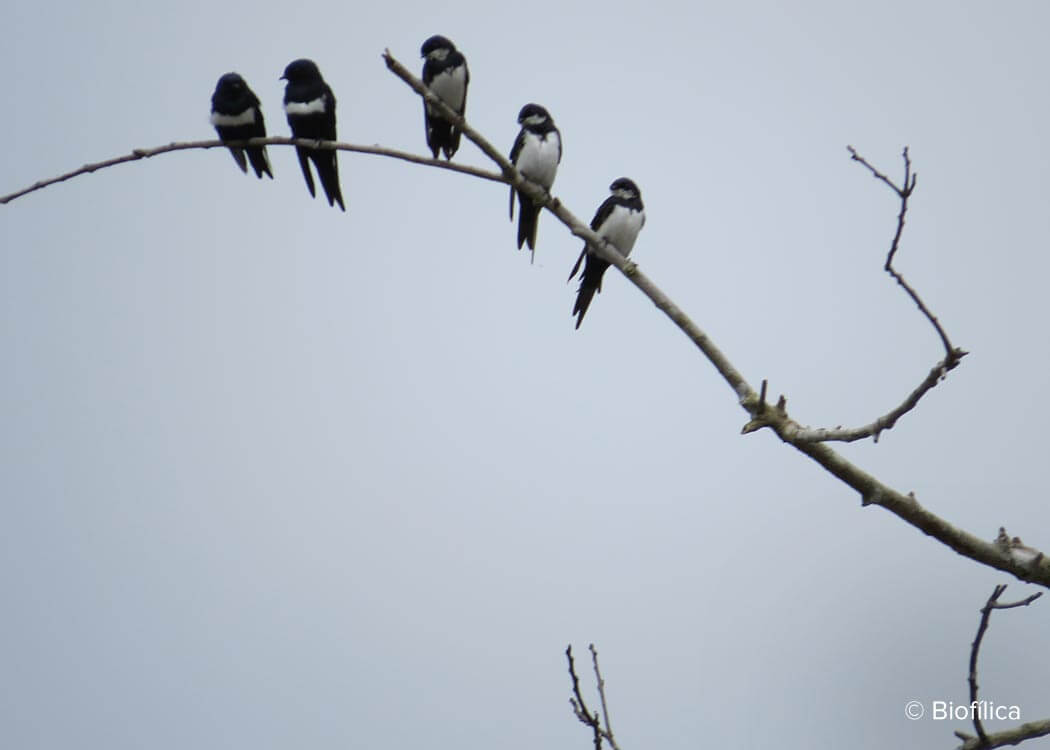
[315, 106]
[247, 117]
[622, 228]
[538, 159]
[451, 86]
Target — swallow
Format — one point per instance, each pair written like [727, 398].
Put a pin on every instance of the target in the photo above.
[309, 105]
[536, 154]
[618, 221]
[445, 73]
[236, 116]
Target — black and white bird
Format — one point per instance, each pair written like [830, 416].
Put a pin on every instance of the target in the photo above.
[445, 73]
[236, 116]
[310, 107]
[618, 221]
[536, 154]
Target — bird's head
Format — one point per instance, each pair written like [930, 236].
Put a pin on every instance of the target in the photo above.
[437, 47]
[301, 70]
[230, 83]
[533, 114]
[625, 188]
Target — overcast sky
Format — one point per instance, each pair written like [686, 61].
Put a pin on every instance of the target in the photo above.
[275, 476]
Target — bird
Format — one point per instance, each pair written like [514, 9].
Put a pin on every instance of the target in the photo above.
[309, 105]
[617, 221]
[236, 116]
[445, 73]
[536, 154]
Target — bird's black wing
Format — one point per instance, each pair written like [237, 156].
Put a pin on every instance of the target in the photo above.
[326, 160]
[603, 212]
[515, 150]
[257, 154]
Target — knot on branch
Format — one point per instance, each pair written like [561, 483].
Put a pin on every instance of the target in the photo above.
[953, 359]
[1016, 550]
[764, 415]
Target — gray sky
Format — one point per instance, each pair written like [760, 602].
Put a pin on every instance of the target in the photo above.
[274, 476]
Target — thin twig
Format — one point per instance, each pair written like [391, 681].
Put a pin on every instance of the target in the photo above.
[145, 153]
[986, 613]
[975, 649]
[601, 693]
[952, 355]
[904, 192]
[579, 706]
[885, 422]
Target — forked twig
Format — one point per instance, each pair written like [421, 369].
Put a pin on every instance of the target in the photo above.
[952, 356]
[986, 613]
[904, 192]
[579, 706]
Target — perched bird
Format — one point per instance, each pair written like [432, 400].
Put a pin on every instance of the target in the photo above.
[236, 116]
[536, 154]
[618, 221]
[445, 73]
[310, 107]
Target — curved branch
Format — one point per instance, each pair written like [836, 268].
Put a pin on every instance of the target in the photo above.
[885, 422]
[145, 153]
[601, 694]
[579, 706]
[904, 192]
[952, 355]
[1027, 565]
[986, 614]
[1030, 566]
[1034, 570]
[1019, 734]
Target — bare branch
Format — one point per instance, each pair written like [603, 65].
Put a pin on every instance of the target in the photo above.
[579, 706]
[145, 153]
[986, 613]
[601, 693]
[1017, 735]
[904, 192]
[952, 355]
[907, 507]
[885, 422]
[1026, 564]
